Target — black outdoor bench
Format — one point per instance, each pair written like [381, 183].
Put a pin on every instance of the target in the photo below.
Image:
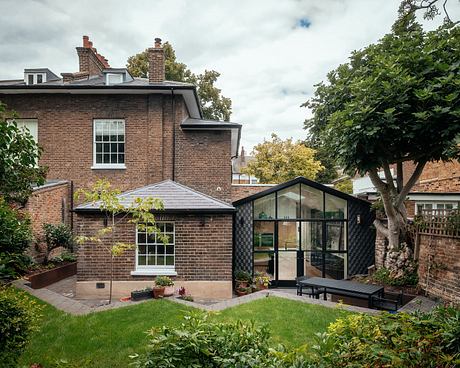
[387, 303]
[312, 292]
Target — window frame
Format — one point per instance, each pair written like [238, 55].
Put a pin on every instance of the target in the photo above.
[111, 166]
[109, 75]
[154, 270]
[34, 78]
[434, 205]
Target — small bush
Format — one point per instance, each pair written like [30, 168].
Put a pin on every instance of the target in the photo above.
[19, 317]
[384, 276]
[59, 235]
[243, 276]
[163, 281]
[392, 340]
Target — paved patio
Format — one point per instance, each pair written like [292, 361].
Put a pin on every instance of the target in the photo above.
[61, 295]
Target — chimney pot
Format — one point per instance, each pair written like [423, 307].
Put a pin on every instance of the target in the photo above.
[85, 41]
[157, 43]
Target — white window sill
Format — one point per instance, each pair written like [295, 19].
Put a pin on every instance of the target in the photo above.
[154, 272]
[108, 167]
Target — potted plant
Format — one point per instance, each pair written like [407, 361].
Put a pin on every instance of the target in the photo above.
[242, 279]
[184, 295]
[240, 291]
[160, 284]
[261, 281]
[141, 294]
[169, 289]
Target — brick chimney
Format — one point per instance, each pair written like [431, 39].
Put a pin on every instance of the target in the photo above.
[90, 60]
[156, 63]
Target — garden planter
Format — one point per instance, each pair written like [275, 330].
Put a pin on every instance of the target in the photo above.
[241, 284]
[48, 277]
[141, 294]
[169, 291]
[241, 292]
[262, 287]
[158, 292]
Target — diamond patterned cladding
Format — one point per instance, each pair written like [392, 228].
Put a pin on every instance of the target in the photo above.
[243, 238]
[361, 247]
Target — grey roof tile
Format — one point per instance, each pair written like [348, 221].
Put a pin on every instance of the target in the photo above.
[175, 197]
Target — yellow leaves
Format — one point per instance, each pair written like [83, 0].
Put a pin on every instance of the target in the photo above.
[119, 248]
[277, 161]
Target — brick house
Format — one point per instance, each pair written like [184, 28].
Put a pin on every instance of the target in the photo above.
[101, 122]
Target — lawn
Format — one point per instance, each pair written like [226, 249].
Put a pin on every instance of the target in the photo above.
[106, 339]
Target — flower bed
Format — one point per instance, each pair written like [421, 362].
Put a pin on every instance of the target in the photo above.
[43, 278]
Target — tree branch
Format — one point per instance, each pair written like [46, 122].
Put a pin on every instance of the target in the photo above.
[410, 183]
[384, 192]
[381, 228]
[389, 179]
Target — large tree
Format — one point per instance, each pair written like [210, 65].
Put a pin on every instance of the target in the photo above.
[277, 160]
[19, 154]
[395, 101]
[214, 105]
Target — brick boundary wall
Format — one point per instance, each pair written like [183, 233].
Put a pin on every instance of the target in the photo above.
[439, 267]
[47, 205]
[240, 191]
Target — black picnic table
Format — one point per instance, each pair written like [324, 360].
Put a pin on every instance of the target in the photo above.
[342, 287]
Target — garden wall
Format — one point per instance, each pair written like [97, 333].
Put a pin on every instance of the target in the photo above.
[49, 204]
[439, 266]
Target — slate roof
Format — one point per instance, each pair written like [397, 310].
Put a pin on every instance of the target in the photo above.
[177, 198]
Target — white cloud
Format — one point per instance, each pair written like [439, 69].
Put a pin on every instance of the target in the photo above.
[268, 64]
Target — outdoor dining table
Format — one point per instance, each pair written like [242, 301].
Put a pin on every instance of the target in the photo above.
[342, 287]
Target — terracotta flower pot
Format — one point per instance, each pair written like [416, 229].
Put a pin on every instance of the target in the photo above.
[158, 292]
[241, 284]
[169, 291]
[262, 287]
[241, 292]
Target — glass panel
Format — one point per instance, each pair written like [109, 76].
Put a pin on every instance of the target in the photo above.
[288, 235]
[161, 260]
[336, 208]
[264, 235]
[30, 79]
[121, 158]
[151, 249]
[113, 147]
[99, 158]
[311, 201]
[449, 206]
[335, 266]
[336, 237]
[169, 227]
[265, 263]
[160, 249]
[151, 260]
[39, 78]
[98, 147]
[113, 158]
[141, 261]
[170, 249]
[264, 208]
[121, 147]
[169, 261]
[141, 238]
[312, 235]
[287, 265]
[289, 203]
[142, 249]
[313, 264]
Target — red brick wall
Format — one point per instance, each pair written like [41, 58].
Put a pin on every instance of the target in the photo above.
[240, 191]
[65, 131]
[203, 249]
[46, 206]
[436, 177]
[439, 267]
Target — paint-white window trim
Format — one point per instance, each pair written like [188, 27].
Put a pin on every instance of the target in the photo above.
[153, 270]
[103, 166]
[434, 204]
[111, 75]
[35, 76]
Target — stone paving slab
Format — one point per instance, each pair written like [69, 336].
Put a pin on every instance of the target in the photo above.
[419, 304]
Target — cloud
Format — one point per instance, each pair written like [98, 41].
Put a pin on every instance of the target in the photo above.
[270, 53]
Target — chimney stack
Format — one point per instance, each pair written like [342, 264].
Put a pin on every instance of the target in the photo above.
[90, 61]
[156, 63]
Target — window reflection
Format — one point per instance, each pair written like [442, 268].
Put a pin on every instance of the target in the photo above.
[288, 235]
[312, 235]
[265, 263]
[264, 235]
[264, 208]
[311, 202]
[336, 235]
[336, 208]
[289, 203]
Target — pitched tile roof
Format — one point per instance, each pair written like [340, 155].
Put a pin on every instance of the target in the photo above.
[176, 198]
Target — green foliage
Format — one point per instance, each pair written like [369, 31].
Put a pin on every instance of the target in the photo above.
[392, 340]
[57, 235]
[243, 276]
[18, 318]
[384, 275]
[163, 281]
[345, 186]
[277, 160]
[214, 105]
[200, 343]
[395, 100]
[15, 237]
[19, 155]
[329, 171]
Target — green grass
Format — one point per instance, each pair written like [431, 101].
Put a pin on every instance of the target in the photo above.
[106, 339]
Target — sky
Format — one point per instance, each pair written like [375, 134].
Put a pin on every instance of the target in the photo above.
[270, 53]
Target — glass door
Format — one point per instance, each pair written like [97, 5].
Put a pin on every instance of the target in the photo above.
[288, 252]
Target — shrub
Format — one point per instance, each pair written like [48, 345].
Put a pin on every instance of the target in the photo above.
[59, 235]
[200, 343]
[19, 317]
[392, 340]
[409, 277]
[15, 237]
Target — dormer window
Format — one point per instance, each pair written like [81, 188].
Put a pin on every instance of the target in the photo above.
[34, 78]
[113, 78]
